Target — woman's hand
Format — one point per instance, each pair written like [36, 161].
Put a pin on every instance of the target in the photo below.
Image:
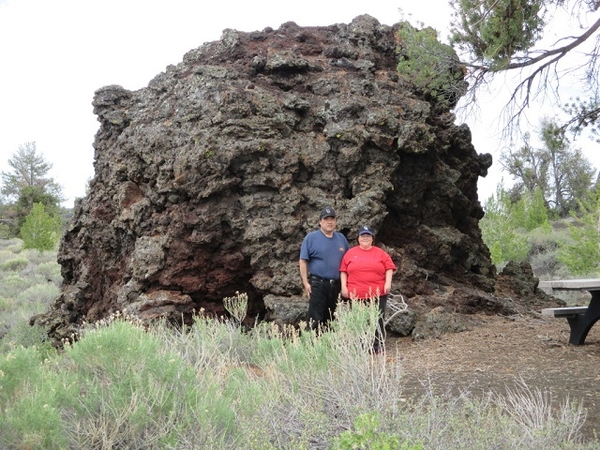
[387, 287]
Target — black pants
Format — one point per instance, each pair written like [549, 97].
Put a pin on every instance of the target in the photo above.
[323, 301]
[380, 332]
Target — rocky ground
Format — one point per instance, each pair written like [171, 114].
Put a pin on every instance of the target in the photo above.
[499, 352]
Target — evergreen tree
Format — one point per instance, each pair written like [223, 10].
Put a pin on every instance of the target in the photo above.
[537, 212]
[40, 231]
[582, 255]
[500, 36]
[562, 174]
[26, 184]
[500, 230]
[529, 212]
[507, 225]
[432, 67]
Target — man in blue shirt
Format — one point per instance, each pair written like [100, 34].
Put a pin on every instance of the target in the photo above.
[320, 257]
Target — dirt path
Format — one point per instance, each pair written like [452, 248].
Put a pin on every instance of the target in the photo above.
[497, 352]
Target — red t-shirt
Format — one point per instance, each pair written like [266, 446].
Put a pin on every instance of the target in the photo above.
[366, 271]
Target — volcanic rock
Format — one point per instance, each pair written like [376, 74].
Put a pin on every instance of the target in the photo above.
[207, 180]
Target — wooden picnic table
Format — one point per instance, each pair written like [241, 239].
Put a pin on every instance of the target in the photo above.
[581, 318]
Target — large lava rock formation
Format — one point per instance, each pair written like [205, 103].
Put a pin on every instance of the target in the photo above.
[207, 180]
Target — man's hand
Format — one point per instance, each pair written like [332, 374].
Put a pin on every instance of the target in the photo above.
[307, 288]
[303, 264]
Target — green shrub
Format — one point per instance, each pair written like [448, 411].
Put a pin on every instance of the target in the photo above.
[499, 232]
[18, 369]
[15, 265]
[582, 256]
[7, 304]
[544, 244]
[13, 245]
[12, 284]
[216, 385]
[429, 65]
[4, 231]
[37, 257]
[133, 385]
[518, 231]
[5, 255]
[530, 212]
[367, 436]
[546, 239]
[40, 231]
[21, 334]
[16, 248]
[50, 270]
[21, 302]
[30, 417]
[39, 294]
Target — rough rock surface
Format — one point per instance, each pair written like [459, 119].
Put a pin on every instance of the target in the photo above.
[207, 180]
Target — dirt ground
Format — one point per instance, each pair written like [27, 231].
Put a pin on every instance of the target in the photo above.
[498, 352]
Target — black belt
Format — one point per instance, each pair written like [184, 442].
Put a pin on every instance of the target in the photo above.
[324, 280]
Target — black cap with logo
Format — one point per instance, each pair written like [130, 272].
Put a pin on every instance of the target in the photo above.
[328, 211]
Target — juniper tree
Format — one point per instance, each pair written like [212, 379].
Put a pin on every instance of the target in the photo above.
[561, 172]
[26, 184]
[504, 36]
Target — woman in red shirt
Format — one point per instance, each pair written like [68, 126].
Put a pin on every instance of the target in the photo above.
[366, 273]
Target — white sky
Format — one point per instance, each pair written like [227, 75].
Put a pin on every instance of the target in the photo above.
[55, 53]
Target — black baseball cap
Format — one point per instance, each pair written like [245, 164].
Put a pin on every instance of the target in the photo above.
[366, 230]
[328, 211]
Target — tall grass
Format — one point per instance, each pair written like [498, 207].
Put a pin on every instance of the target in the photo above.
[29, 281]
[214, 385]
[217, 385]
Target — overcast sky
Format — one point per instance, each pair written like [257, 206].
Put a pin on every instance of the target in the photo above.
[55, 53]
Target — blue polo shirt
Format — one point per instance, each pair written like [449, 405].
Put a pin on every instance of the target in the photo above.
[324, 254]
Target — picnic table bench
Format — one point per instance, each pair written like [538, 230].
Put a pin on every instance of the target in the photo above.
[580, 318]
